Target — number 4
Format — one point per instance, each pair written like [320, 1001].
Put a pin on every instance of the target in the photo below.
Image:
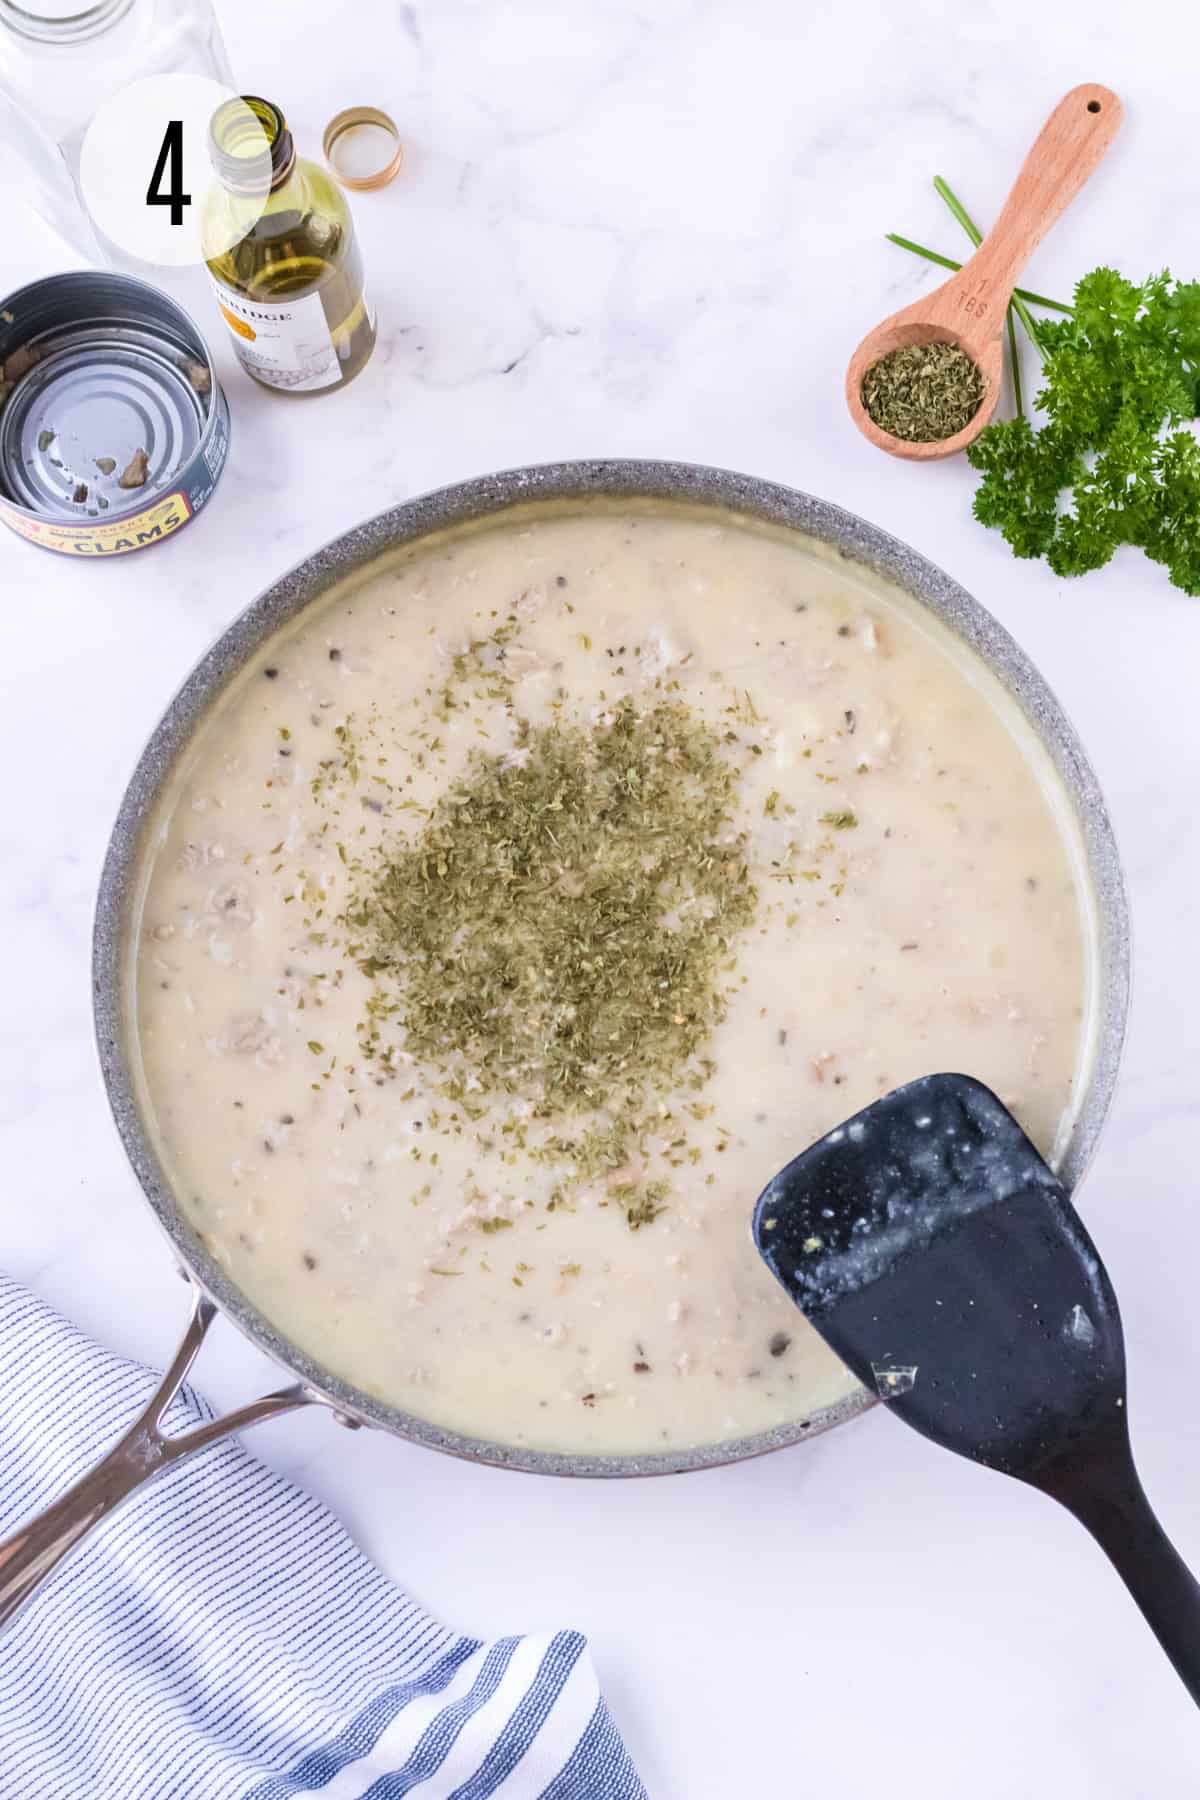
[170, 155]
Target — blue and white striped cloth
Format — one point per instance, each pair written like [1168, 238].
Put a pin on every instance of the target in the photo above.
[222, 1639]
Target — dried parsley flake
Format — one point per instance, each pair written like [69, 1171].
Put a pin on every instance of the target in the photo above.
[562, 924]
[923, 392]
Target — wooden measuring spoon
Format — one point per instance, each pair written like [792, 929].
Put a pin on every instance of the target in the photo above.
[969, 309]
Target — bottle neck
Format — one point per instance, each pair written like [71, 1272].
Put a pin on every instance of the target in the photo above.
[282, 174]
[244, 134]
[62, 21]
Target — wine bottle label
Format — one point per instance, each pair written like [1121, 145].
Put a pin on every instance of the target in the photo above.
[286, 343]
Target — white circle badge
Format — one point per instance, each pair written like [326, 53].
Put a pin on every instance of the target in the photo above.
[147, 178]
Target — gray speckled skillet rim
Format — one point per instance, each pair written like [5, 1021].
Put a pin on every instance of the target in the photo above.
[492, 495]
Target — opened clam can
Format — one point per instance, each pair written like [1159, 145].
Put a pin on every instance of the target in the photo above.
[113, 427]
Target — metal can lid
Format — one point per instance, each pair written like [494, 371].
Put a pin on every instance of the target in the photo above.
[363, 148]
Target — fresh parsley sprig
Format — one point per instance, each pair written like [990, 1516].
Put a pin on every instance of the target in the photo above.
[1121, 383]
[1115, 461]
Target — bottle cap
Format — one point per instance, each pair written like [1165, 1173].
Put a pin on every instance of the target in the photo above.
[363, 148]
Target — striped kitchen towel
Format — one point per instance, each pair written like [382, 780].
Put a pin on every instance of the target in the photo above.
[221, 1638]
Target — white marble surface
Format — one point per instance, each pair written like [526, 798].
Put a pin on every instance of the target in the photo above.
[655, 227]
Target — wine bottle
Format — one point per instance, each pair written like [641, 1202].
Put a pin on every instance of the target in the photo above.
[290, 284]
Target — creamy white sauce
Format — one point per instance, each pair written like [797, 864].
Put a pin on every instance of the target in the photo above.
[947, 928]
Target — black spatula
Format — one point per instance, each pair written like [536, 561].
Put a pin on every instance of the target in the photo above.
[941, 1259]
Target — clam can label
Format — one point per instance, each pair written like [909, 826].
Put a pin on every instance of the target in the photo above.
[115, 537]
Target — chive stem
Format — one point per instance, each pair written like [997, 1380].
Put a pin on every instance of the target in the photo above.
[948, 262]
[945, 192]
[1014, 359]
[1030, 323]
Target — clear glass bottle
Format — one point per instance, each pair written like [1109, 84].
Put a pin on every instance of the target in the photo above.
[291, 287]
[60, 58]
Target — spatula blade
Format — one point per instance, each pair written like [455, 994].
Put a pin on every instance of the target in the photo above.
[941, 1259]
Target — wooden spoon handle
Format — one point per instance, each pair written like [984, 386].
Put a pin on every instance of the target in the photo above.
[1068, 149]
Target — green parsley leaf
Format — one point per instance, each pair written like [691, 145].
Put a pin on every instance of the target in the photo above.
[1113, 464]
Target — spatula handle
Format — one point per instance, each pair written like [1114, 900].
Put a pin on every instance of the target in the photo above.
[1112, 1503]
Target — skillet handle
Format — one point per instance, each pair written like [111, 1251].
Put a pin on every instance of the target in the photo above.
[34, 1551]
